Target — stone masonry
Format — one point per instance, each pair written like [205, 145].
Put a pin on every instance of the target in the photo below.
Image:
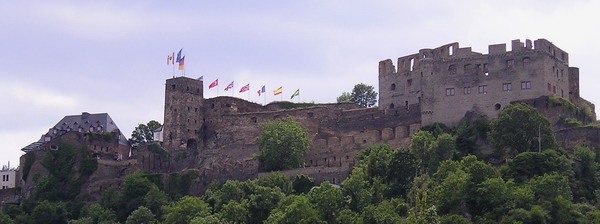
[448, 81]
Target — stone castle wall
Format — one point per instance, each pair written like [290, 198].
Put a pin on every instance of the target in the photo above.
[449, 81]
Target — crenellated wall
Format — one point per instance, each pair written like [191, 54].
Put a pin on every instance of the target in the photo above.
[448, 81]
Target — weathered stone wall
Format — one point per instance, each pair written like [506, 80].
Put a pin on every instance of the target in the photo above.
[183, 113]
[449, 81]
[584, 136]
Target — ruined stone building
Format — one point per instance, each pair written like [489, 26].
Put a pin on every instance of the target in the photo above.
[448, 81]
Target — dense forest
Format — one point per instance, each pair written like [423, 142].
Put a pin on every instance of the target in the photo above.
[508, 170]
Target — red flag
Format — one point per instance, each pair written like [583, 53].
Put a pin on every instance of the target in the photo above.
[213, 84]
[229, 86]
[258, 92]
[245, 88]
[278, 91]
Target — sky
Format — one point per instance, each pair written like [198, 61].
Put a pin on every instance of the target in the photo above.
[67, 57]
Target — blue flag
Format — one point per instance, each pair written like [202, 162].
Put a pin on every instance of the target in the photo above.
[263, 90]
[179, 55]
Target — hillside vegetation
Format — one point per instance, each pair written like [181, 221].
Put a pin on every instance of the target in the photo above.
[446, 175]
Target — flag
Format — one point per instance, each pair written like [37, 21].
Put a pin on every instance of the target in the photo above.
[213, 84]
[278, 91]
[245, 88]
[181, 63]
[295, 93]
[260, 91]
[170, 59]
[178, 55]
[201, 78]
[229, 86]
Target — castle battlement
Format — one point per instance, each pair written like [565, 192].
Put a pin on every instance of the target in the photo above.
[448, 81]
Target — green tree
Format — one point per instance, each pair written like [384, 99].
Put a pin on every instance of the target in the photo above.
[294, 209]
[184, 210]
[517, 128]
[142, 215]
[235, 212]
[99, 214]
[154, 200]
[388, 211]
[134, 189]
[110, 198]
[302, 183]
[211, 219]
[144, 132]
[347, 216]
[276, 180]
[50, 212]
[262, 201]
[530, 164]
[401, 170]
[4, 218]
[550, 186]
[364, 95]
[586, 174]
[346, 97]
[282, 144]
[328, 200]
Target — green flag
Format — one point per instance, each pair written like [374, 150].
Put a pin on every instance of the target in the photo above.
[295, 94]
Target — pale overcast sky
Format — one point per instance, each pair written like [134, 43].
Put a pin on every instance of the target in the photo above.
[64, 57]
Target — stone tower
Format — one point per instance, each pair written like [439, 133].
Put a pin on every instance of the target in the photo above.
[183, 113]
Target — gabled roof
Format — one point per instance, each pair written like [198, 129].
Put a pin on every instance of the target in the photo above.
[86, 122]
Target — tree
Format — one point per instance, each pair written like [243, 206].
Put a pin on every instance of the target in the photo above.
[235, 212]
[184, 210]
[144, 132]
[99, 214]
[328, 200]
[154, 199]
[135, 188]
[276, 180]
[364, 95]
[517, 128]
[282, 144]
[530, 164]
[346, 97]
[302, 183]
[401, 170]
[586, 178]
[388, 211]
[50, 212]
[294, 209]
[142, 215]
[5, 218]
[262, 201]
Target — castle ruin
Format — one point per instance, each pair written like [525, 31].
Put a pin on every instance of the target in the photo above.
[216, 136]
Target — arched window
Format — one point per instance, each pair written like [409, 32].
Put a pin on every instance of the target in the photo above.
[393, 86]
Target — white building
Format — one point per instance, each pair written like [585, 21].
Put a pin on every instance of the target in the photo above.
[9, 176]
